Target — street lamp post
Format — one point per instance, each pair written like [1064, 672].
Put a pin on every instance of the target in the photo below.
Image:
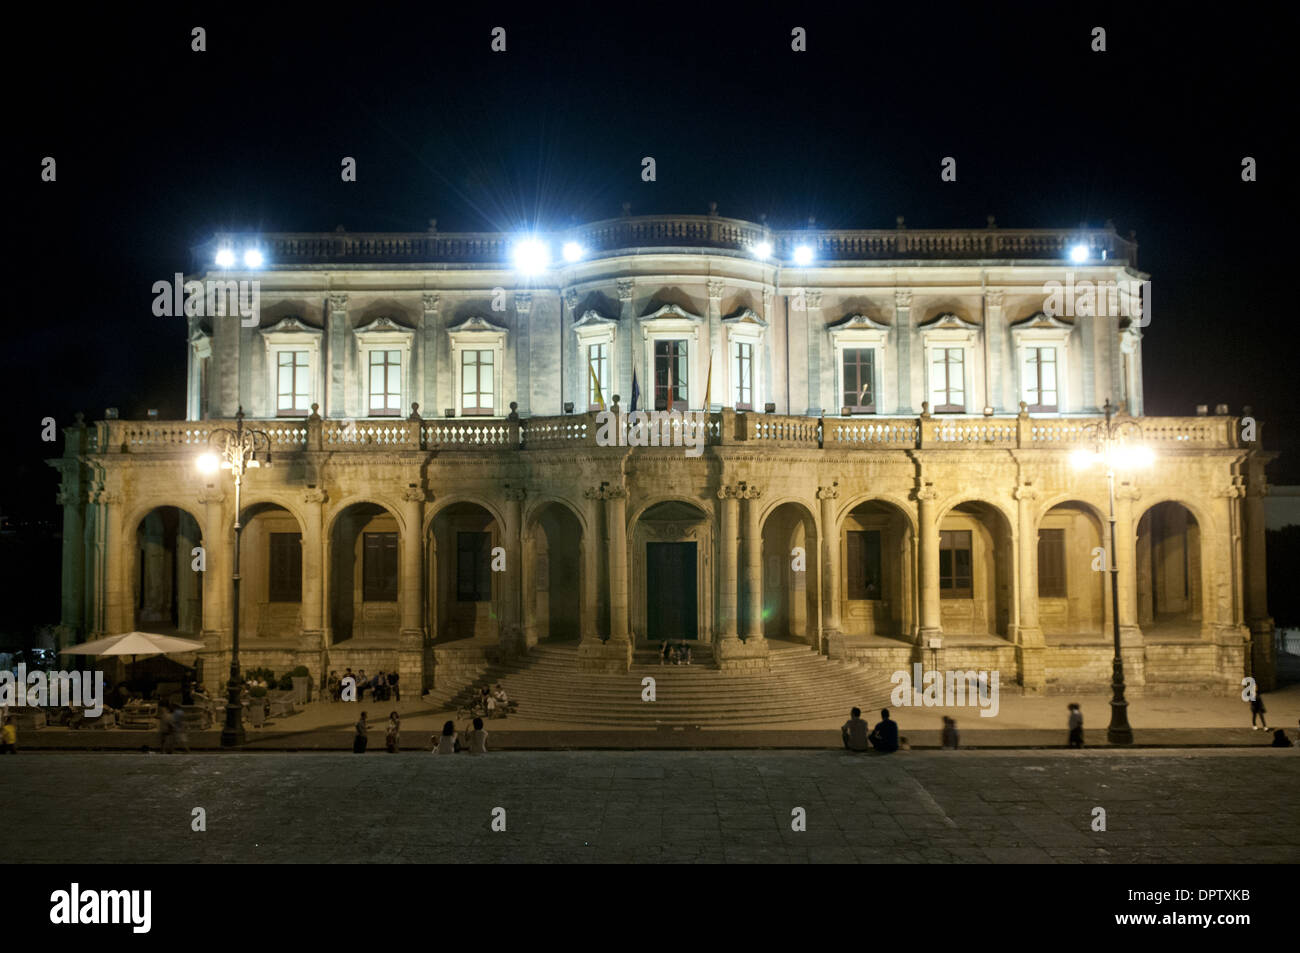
[1115, 441]
[235, 450]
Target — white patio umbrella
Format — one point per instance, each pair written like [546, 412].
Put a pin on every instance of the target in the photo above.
[135, 643]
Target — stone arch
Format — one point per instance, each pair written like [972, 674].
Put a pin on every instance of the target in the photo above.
[555, 571]
[463, 534]
[903, 504]
[1073, 596]
[394, 510]
[877, 590]
[271, 566]
[363, 546]
[1174, 577]
[167, 593]
[791, 607]
[441, 502]
[977, 584]
[666, 535]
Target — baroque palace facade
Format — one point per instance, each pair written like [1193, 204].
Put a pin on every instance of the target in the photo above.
[888, 419]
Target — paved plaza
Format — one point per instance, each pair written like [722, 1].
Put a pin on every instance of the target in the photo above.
[1193, 806]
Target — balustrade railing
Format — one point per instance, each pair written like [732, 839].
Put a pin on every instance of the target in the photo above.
[725, 428]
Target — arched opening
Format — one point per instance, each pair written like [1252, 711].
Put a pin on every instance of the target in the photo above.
[1073, 598]
[270, 569]
[555, 555]
[1169, 572]
[876, 578]
[975, 572]
[672, 556]
[168, 587]
[364, 577]
[463, 548]
[790, 554]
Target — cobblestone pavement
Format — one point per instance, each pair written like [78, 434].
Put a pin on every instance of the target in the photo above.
[1221, 806]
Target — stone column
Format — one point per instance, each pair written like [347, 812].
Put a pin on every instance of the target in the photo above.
[1263, 649]
[616, 514]
[903, 346]
[753, 564]
[313, 579]
[727, 583]
[410, 639]
[1222, 548]
[335, 358]
[523, 353]
[816, 331]
[928, 545]
[1130, 635]
[72, 607]
[719, 394]
[118, 556]
[830, 567]
[627, 342]
[999, 373]
[219, 554]
[1029, 634]
[431, 346]
[511, 631]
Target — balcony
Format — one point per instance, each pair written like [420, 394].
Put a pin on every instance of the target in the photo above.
[725, 428]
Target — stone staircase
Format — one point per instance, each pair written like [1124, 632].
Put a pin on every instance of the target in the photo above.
[801, 686]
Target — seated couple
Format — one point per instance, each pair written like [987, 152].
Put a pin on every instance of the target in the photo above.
[883, 738]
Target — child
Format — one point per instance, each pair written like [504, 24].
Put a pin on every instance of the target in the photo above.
[949, 736]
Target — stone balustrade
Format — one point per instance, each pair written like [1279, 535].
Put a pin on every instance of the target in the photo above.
[723, 428]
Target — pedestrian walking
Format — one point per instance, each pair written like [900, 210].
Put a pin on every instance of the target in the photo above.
[178, 729]
[1257, 710]
[166, 728]
[1076, 725]
[394, 731]
[392, 686]
[360, 741]
[8, 735]
[949, 735]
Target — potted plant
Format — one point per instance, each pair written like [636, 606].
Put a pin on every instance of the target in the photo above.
[300, 680]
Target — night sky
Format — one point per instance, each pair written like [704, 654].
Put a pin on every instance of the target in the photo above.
[158, 147]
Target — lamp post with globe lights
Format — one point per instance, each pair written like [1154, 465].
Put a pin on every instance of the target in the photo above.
[1115, 443]
[235, 450]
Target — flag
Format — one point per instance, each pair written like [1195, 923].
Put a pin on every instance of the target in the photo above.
[595, 383]
[636, 390]
[708, 383]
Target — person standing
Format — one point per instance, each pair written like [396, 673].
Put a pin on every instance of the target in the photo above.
[166, 728]
[178, 730]
[1076, 726]
[1257, 710]
[394, 732]
[8, 735]
[360, 741]
[949, 736]
[392, 687]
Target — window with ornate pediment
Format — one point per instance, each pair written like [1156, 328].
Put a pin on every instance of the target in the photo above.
[859, 344]
[950, 347]
[478, 361]
[746, 334]
[384, 349]
[293, 362]
[671, 336]
[596, 335]
[1041, 343]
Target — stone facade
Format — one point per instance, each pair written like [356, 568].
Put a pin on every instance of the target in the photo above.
[888, 435]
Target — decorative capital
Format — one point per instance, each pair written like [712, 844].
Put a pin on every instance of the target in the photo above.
[338, 303]
[571, 299]
[902, 299]
[615, 493]
[211, 494]
[315, 495]
[993, 298]
[1127, 491]
[414, 494]
[1231, 492]
[67, 496]
[715, 287]
[925, 493]
[812, 299]
[747, 491]
[625, 286]
[827, 493]
[523, 302]
[1025, 492]
[514, 494]
[727, 493]
[430, 302]
[592, 493]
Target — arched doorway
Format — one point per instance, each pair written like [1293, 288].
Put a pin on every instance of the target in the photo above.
[975, 571]
[270, 569]
[465, 540]
[1169, 590]
[168, 588]
[364, 576]
[671, 559]
[554, 596]
[790, 574]
[1073, 593]
[876, 553]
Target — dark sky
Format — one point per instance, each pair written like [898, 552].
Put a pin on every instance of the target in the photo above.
[158, 147]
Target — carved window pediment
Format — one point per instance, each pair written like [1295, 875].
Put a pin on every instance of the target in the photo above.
[745, 316]
[671, 313]
[384, 325]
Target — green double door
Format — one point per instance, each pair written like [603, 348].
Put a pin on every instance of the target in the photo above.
[671, 592]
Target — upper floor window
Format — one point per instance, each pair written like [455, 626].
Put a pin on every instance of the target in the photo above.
[1038, 379]
[293, 384]
[858, 366]
[955, 575]
[477, 383]
[948, 380]
[385, 383]
[598, 372]
[672, 372]
[743, 380]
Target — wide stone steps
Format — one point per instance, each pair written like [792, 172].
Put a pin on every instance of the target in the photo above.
[801, 686]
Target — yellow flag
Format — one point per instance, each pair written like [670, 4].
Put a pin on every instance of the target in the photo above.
[595, 383]
[708, 383]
